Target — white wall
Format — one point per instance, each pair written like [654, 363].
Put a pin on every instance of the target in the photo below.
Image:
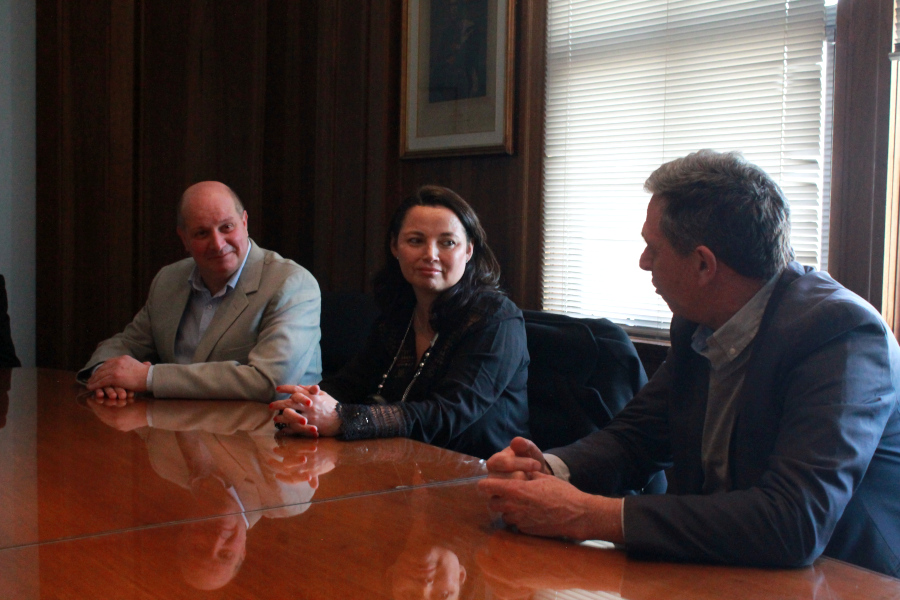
[17, 169]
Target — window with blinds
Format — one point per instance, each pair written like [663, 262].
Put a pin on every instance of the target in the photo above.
[631, 85]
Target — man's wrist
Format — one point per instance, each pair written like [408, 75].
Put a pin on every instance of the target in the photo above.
[605, 519]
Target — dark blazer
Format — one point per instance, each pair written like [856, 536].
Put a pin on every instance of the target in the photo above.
[8, 356]
[815, 451]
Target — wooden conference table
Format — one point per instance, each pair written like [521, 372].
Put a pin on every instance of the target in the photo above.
[208, 502]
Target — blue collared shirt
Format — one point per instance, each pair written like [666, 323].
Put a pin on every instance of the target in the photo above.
[728, 350]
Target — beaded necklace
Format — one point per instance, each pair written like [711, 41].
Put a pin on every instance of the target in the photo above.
[377, 397]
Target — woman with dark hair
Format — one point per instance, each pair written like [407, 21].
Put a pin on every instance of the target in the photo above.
[447, 362]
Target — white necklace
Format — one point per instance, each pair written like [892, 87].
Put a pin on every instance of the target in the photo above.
[377, 397]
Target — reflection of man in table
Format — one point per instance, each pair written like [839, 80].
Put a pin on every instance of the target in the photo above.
[233, 321]
[227, 455]
[775, 413]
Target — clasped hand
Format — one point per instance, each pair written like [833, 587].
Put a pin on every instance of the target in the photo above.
[302, 461]
[309, 411]
[124, 418]
[522, 488]
[117, 379]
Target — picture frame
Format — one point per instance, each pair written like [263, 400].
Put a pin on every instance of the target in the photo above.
[457, 77]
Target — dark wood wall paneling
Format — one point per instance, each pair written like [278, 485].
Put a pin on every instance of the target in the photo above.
[351, 177]
[294, 104]
[85, 168]
[287, 203]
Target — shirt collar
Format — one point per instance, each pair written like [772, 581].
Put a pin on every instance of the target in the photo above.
[197, 282]
[731, 339]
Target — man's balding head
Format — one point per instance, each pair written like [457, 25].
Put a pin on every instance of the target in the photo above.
[213, 227]
[206, 187]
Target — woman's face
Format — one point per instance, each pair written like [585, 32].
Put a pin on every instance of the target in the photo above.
[432, 250]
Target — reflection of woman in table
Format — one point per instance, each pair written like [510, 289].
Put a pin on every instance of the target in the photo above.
[447, 362]
[436, 559]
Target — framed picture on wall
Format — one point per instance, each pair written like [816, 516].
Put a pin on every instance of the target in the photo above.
[457, 77]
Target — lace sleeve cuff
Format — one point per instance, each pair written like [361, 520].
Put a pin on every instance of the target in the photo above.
[361, 421]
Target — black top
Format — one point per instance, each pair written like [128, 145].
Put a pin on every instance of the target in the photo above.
[8, 356]
[470, 396]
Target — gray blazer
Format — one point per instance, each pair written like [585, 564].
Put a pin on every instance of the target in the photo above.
[264, 334]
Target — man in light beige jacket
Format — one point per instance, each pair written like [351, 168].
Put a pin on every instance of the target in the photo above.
[232, 321]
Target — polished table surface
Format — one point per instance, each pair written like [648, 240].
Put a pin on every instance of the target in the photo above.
[74, 473]
[99, 508]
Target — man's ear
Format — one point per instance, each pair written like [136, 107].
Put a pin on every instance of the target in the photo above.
[707, 264]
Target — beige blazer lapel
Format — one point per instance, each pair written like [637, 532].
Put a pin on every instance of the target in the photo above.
[176, 294]
[233, 305]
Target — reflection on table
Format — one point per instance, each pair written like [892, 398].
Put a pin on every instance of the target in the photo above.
[429, 542]
[208, 502]
[70, 469]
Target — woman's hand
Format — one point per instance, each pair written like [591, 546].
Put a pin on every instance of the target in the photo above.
[309, 411]
[303, 461]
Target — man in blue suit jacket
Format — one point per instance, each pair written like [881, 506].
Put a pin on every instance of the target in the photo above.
[775, 414]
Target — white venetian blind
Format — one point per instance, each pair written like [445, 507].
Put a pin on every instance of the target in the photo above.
[633, 84]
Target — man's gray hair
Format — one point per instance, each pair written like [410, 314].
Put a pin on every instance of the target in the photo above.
[731, 206]
[179, 213]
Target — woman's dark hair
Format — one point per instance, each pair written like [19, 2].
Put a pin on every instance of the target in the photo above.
[482, 272]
